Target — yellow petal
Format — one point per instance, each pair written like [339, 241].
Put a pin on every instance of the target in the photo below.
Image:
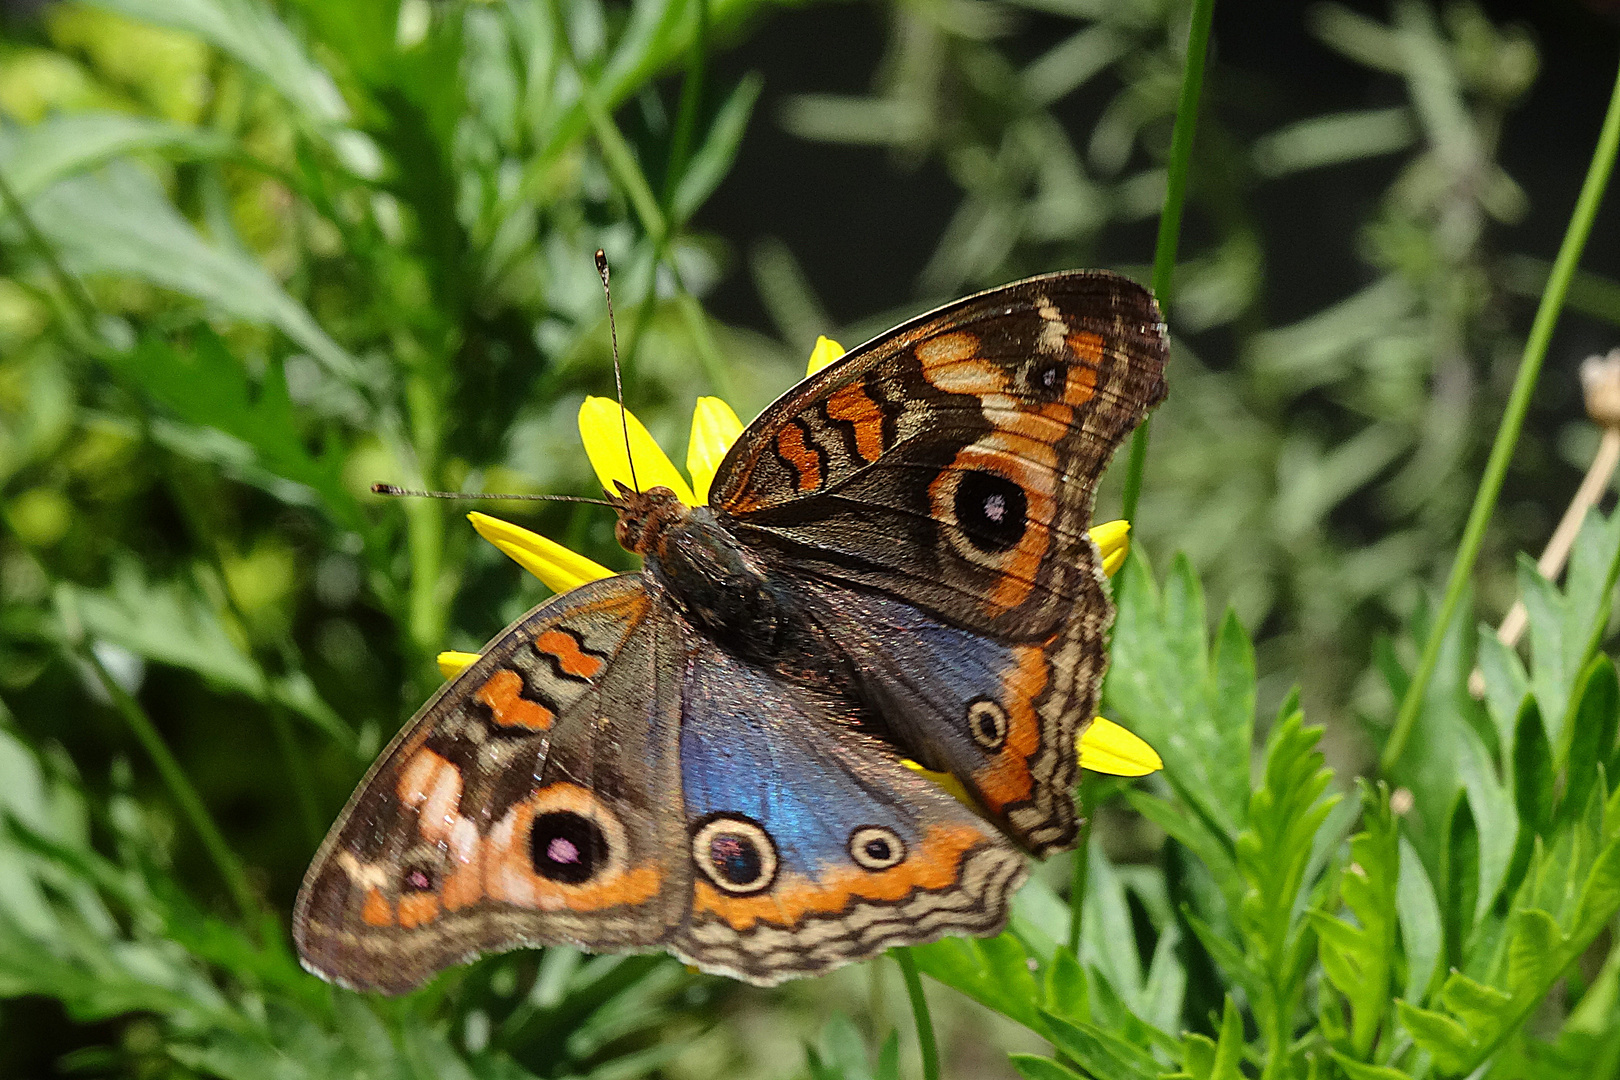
[547, 560]
[1114, 541]
[944, 780]
[1108, 748]
[602, 427]
[453, 663]
[714, 428]
[826, 351]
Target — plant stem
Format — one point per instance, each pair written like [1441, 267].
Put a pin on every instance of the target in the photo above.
[1085, 796]
[1175, 198]
[1507, 435]
[919, 1011]
[180, 789]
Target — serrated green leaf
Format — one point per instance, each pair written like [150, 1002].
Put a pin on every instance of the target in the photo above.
[1474, 1004]
[1358, 1070]
[1507, 684]
[1099, 1052]
[1534, 782]
[1535, 944]
[1422, 936]
[1594, 717]
[1167, 687]
[1034, 1067]
[1445, 1040]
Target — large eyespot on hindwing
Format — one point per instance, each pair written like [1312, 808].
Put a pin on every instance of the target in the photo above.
[987, 723]
[735, 853]
[567, 847]
[563, 846]
[874, 847]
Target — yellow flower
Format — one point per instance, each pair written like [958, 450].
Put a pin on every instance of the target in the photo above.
[1105, 747]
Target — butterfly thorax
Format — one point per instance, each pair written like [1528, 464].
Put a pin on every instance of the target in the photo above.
[716, 583]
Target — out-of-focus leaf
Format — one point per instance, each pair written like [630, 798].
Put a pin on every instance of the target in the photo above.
[253, 34]
[207, 386]
[1333, 140]
[170, 623]
[118, 221]
[35, 157]
[712, 161]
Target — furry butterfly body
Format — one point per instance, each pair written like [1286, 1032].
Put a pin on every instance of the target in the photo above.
[706, 756]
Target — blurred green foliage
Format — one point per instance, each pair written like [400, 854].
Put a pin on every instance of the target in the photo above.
[254, 257]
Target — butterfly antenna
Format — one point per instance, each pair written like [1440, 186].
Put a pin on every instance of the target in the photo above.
[618, 379]
[390, 489]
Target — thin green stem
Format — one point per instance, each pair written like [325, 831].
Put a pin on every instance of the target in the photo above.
[919, 1011]
[1175, 198]
[1507, 435]
[181, 790]
[1085, 795]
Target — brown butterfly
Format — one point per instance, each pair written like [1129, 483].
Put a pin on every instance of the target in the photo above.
[706, 756]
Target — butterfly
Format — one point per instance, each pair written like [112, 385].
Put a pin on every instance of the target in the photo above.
[706, 756]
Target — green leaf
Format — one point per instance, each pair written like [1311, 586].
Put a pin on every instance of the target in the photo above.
[208, 387]
[169, 622]
[1565, 626]
[252, 34]
[1534, 781]
[1422, 936]
[1357, 1070]
[118, 221]
[1065, 985]
[1101, 1053]
[1274, 851]
[1034, 1067]
[1506, 684]
[989, 974]
[63, 144]
[712, 161]
[1357, 957]
[1196, 709]
[1445, 1040]
[1592, 732]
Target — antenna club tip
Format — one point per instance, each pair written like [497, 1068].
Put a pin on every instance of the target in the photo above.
[601, 263]
[380, 488]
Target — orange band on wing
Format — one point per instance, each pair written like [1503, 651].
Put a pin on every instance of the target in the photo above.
[852, 406]
[377, 911]
[417, 908]
[503, 693]
[790, 442]
[1005, 778]
[934, 864]
[571, 659]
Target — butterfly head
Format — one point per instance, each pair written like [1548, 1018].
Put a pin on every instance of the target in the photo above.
[644, 517]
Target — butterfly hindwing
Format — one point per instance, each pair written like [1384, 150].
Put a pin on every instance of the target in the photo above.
[813, 844]
[535, 799]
